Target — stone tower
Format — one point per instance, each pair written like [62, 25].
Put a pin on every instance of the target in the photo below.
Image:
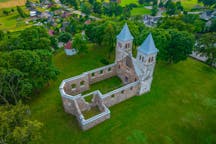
[124, 44]
[146, 59]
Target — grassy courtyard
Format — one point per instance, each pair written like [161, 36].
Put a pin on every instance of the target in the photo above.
[181, 107]
[106, 85]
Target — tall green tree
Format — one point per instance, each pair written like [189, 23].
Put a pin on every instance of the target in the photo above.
[208, 2]
[16, 126]
[86, 8]
[180, 46]
[97, 7]
[1, 35]
[80, 43]
[64, 37]
[212, 28]
[109, 38]
[24, 72]
[206, 45]
[13, 86]
[21, 12]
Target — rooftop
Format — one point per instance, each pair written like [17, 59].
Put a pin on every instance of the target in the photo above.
[125, 34]
[148, 46]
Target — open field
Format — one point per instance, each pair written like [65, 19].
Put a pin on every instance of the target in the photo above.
[11, 3]
[189, 4]
[140, 11]
[124, 2]
[12, 21]
[181, 107]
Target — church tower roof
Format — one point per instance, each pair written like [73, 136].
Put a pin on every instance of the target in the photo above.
[125, 34]
[148, 46]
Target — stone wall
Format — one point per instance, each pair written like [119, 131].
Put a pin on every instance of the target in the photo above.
[121, 94]
[93, 121]
[101, 73]
[70, 106]
[125, 70]
[76, 85]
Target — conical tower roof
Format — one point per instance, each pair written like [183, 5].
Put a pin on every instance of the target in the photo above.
[148, 46]
[125, 34]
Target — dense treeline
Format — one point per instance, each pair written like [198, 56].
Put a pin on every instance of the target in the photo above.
[109, 9]
[174, 45]
[25, 65]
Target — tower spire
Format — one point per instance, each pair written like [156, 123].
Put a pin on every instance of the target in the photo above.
[125, 34]
[148, 46]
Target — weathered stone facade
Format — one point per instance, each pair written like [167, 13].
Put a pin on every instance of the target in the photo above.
[136, 75]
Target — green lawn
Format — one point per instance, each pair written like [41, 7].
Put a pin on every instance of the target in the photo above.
[106, 85]
[92, 112]
[3, 0]
[124, 2]
[189, 4]
[181, 107]
[140, 11]
[12, 22]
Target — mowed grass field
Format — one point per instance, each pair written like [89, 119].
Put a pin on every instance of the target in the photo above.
[11, 3]
[124, 2]
[189, 4]
[12, 21]
[181, 107]
[140, 11]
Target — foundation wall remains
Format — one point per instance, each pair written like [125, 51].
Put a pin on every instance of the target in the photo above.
[121, 94]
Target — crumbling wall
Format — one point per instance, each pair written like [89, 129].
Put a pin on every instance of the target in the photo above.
[125, 70]
[76, 85]
[121, 94]
[102, 73]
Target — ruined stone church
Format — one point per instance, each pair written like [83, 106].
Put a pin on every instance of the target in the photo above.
[136, 75]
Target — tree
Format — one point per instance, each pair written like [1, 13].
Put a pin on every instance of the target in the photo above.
[29, 39]
[86, 8]
[23, 72]
[6, 12]
[180, 46]
[208, 2]
[175, 23]
[141, 1]
[154, 10]
[97, 7]
[80, 43]
[212, 28]
[1, 35]
[13, 86]
[28, 4]
[206, 46]
[16, 125]
[171, 8]
[64, 37]
[109, 38]
[126, 12]
[21, 12]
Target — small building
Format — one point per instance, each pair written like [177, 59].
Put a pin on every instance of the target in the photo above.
[69, 50]
[150, 20]
[33, 13]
